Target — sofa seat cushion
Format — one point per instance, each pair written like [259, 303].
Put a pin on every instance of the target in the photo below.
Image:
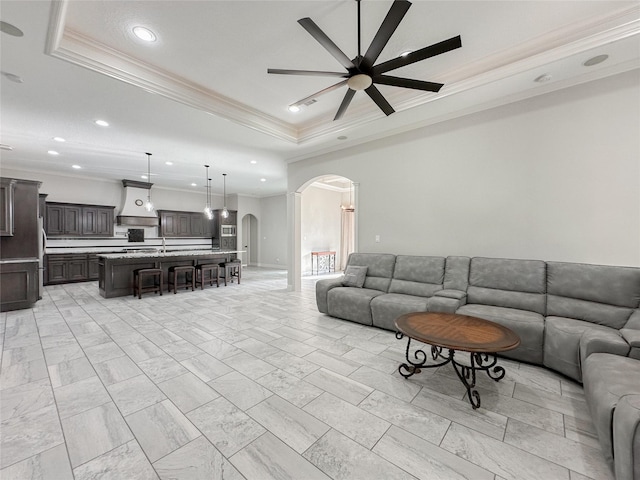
[562, 339]
[607, 379]
[386, 308]
[352, 303]
[529, 326]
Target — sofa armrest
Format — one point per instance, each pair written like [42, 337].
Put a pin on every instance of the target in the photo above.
[459, 295]
[632, 337]
[602, 340]
[322, 290]
[447, 300]
[626, 438]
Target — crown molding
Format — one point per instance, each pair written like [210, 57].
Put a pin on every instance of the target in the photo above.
[81, 50]
[583, 36]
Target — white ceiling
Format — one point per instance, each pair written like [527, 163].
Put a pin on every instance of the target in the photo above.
[201, 94]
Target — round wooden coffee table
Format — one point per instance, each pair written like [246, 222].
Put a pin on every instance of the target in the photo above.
[481, 338]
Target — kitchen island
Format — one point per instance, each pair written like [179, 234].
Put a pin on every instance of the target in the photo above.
[116, 269]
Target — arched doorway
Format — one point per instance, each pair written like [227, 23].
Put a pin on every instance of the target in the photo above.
[249, 240]
[321, 217]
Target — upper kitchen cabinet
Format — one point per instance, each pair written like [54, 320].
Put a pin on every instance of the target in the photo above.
[7, 187]
[232, 219]
[79, 220]
[183, 224]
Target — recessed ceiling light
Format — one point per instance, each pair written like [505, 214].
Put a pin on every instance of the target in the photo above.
[10, 29]
[263, 179]
[59, 139]
[194, 185]
[405, 53]
[168, 163]
[144, 33]
[294, 108]
[253, 162]
[12, 77]
[102, 123]
[144, 177]
[595, 60]
[545, 77]
[77, 167]
[342, 137]
[53, 152]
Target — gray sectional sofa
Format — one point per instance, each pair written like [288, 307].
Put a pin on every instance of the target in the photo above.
[578, 319]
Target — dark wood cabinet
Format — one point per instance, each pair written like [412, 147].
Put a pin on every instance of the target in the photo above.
[19, 244]
[197, 225]
[93, 267]
[78, 220]
[105, 221]
[67, 268]
[72, 267]
[57, 269]
[6, 207]
[73, 220]
[228, 243]
[19, 284]
[184, 224]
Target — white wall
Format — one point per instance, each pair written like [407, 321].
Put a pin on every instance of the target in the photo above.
[273, 231]
[555, 177]
[321, 223]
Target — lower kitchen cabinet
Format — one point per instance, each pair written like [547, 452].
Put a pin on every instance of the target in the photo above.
[18, 283]
[68, 268]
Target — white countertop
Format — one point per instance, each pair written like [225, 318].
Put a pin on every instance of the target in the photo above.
[175, 253]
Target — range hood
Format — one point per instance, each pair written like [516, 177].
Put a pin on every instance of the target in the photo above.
[133, 212]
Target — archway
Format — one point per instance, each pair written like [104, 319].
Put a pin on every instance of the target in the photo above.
[316, 217]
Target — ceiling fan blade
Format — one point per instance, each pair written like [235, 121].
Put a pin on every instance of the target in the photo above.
[377, 97]
[408, 83]
[317, 73]
[313, 29]
[321, 92]
[345, 104]
[422, 54]
[389, 25]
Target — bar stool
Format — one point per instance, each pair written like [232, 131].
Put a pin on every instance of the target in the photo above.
[232, 269]
[173, 277]
[214, 273]
[139, 276]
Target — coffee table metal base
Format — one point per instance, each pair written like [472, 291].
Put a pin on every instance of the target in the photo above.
[466, 373]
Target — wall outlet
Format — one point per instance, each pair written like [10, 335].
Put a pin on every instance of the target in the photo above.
[377, 238]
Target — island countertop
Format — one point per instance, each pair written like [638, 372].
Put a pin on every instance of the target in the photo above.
[170, 253]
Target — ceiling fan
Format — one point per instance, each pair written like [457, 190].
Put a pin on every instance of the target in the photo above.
[362, 73]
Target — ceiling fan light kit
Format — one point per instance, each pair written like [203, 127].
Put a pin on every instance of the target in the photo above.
[361, 72]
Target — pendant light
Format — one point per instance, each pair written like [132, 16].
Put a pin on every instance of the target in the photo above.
[225, 212]
[207, 208]
[149, 206]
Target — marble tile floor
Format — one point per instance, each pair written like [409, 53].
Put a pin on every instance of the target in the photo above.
[250, 382]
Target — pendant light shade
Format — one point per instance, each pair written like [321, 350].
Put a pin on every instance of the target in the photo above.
[225, 212]
[149, 205]
[207, 208]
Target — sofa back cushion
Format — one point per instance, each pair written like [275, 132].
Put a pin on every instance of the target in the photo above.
[379, 269]
[419, 276]
[508, 283]
[600, 294]
[456, 274]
